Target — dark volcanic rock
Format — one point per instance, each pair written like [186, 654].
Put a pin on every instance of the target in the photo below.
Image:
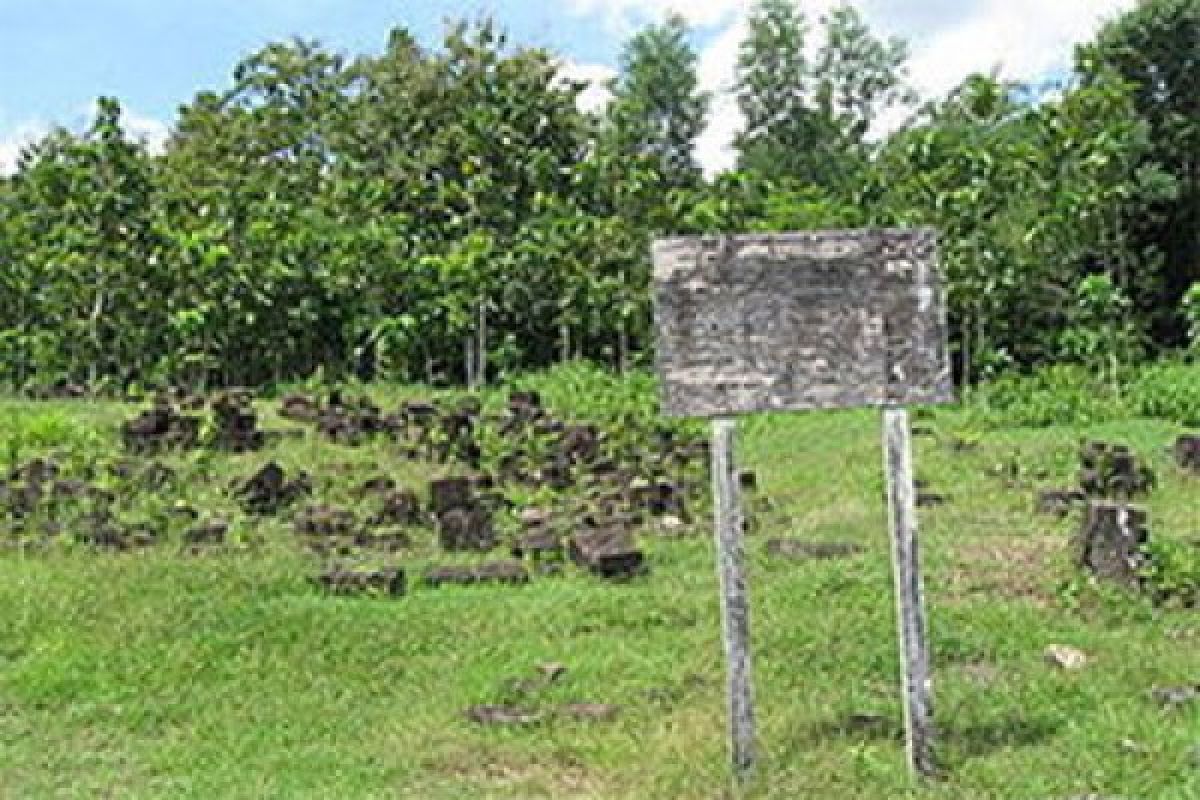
[326, 521]
[801, 550]
[502, 715]
[236, 429]
[299, 407]
[269, 490]
[504, 572]
[400, 507]
[510, 572]
[437, 577]
[384, 541]
[159, 429]
[449, 494]
[540, 546]
[464, 530]
[1113, 471]
[1187, 452]
[1059, 502]
[608, 553]
[1110, 543]
[210, 533]
[930, 499]
[350, 581]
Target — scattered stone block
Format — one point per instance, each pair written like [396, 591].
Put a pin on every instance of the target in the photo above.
[159, 429]
[502, 715]
[506, 572]
[930, 500]
[437, 577]
[534, 517]
[801, 550]
[1058, 502]
[1187, 452]
[269, 490]
[210, 533]
[465, 530]
[607, 553]
[236, 428]
[449, 494]
[540, 546]
[384, 542]
[1111, 542]
[400, 507]
[1112, 470]
[344, 581]
[326, 521]
[503, 572]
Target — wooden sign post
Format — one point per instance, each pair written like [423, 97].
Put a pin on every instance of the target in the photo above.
[735, 604]
[826, 319]
[910, 612]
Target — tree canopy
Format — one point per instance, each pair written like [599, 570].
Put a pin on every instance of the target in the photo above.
[450, 214]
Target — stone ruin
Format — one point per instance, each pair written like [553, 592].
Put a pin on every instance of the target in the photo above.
[164, 427]
[160, 428]
[597, 486]
[1113, 471]
[1111, 543]
[1107, 472]
[1187, 452]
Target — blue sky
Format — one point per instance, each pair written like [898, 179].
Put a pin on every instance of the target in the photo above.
[59, 55]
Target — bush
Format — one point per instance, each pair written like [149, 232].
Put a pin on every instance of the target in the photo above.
[1167, 391]
[1075, 395]
[1060, 395]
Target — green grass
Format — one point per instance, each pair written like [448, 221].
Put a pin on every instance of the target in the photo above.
[158, 675]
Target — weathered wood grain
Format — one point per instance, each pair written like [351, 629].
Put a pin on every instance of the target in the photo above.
[735, 605]
[910, 612]
[796, 321]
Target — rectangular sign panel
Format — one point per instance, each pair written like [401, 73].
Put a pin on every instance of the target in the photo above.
[795, 321]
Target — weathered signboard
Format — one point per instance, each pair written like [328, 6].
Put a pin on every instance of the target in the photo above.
[795, 321]
[825, 319]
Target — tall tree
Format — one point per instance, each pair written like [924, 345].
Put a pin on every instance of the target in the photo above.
[658, 107]
[808, 119]
[84, 218]
[1156, 47]
[773, 83]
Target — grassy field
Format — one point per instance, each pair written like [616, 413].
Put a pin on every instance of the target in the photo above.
[160, 675]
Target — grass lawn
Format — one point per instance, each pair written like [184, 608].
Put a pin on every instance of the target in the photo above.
[163, 675]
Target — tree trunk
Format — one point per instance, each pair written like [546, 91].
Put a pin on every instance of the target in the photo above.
[481, 347]
[965, 335]
[622, 348]
[469, 360]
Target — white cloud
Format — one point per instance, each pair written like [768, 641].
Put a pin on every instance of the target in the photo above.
[949, 39]
[596, 96]
[17, 139]
[153, 132]
[623, 16]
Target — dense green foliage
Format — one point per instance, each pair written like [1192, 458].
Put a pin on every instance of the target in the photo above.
[1075, 395]
[450, 215]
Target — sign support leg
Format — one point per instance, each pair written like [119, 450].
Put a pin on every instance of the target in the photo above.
[735, 611]
[910, 612]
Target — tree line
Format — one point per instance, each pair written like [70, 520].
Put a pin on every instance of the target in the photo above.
[450, 214]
